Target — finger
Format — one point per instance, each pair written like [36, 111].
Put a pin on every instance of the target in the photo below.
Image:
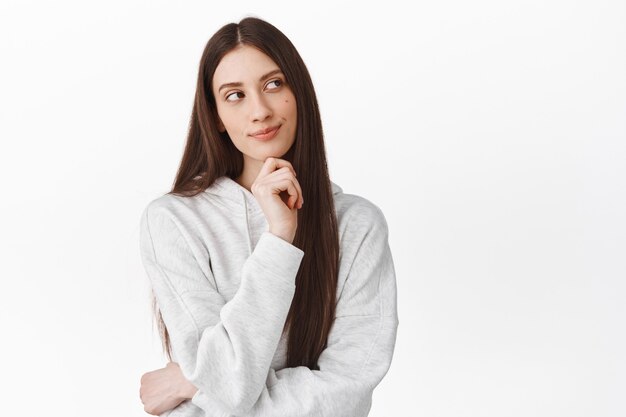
[300, 198]
[287, 165]
[283, 173]
[272, 164]
[268, 167]
[286, 184]
[300, 202]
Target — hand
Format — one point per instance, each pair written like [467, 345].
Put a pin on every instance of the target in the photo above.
[163, 389]
[279, 194]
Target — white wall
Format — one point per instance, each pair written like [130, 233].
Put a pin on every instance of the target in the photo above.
[492, 134]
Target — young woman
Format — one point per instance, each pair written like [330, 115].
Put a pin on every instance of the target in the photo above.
[276, 291]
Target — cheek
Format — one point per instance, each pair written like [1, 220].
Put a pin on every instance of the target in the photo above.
[228, 119]
[289, 105]
[291, 111]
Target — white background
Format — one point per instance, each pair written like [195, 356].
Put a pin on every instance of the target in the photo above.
[492, 134]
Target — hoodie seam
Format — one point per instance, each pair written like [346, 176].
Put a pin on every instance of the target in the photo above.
[245, 209]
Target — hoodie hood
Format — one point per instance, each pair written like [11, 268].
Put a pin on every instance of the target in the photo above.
[230, 189]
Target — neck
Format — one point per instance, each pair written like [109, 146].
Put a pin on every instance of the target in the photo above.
[251, 169]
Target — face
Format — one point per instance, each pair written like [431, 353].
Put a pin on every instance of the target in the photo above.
[252, 96]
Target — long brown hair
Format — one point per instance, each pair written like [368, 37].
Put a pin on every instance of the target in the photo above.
[210, 154]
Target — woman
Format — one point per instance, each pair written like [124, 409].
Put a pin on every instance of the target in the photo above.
[276, 290]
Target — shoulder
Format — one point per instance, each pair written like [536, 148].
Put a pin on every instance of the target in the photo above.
[166, 203]
[180, 210]
[168, 227]
[364, 256]
[161, 210]
[357, 215]
[161, 216]
[218, 201]
[172, 216]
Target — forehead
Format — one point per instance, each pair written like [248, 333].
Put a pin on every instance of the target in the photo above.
[243, 64]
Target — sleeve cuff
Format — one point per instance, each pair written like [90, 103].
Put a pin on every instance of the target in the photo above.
[277, 256]
[200, 400]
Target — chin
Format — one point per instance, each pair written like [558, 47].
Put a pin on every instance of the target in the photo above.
[276, 151]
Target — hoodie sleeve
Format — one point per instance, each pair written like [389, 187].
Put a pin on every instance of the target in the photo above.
[360, 344]
[229, 358]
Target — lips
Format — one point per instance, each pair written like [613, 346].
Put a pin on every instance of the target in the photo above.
[266, 133]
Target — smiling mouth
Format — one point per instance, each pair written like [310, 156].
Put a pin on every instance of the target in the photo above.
[266, 133]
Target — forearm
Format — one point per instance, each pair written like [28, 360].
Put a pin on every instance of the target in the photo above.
[211, 339]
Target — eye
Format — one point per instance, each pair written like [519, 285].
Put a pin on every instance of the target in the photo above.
[231, 94]
[279, 81]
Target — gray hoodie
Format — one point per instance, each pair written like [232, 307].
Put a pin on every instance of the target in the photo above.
[224, 285]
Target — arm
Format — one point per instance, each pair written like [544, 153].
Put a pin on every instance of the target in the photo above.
[224, 349]
[360, 344]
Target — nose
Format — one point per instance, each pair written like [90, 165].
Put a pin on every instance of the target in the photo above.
[259, 108]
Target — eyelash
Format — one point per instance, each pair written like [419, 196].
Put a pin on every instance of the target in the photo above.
[236, 92]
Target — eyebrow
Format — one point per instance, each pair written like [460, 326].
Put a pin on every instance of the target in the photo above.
[238, 84]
